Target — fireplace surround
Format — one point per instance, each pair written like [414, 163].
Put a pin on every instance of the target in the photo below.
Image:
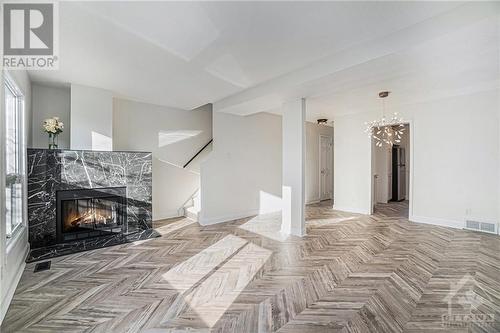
[108, 195]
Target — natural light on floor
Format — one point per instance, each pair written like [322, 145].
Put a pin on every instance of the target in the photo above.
[267, 225]
[210, 299]
[173, 226]
[319, 222]
[186, 274]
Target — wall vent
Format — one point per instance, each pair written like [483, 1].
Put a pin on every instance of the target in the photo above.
[488, 227]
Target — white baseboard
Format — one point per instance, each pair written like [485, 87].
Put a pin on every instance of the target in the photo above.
[350, 210]
[298, 232]
[437, 221]
[168, 215]
[314, 201]
[229, 217]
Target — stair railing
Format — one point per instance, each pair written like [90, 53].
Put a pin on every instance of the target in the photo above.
[198, 153]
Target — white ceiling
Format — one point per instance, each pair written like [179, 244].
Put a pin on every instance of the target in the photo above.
[462, 62]
[186, 54]
[452, 54]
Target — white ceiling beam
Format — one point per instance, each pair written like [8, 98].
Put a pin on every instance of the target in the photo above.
[304, 82]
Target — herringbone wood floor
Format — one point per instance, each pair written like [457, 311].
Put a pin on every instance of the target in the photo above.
[352, 273]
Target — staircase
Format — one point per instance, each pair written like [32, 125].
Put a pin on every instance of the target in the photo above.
[192, 207]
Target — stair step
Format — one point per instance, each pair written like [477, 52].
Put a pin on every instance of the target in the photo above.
[197, 203]
[191, 213]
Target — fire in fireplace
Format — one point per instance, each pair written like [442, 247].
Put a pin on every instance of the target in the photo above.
[87, 213]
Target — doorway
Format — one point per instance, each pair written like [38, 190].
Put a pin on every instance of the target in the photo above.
[325, 167]
[391, 170]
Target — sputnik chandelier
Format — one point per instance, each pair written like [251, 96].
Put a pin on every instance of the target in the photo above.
[387, 131]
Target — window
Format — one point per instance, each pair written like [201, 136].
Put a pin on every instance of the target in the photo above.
[14, 156]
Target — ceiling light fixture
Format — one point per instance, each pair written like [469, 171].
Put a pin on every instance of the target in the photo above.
[385, 131]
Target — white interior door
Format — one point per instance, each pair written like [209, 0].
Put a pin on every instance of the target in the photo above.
[326, 167]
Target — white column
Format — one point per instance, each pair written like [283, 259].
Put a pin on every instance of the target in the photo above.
[293, 127]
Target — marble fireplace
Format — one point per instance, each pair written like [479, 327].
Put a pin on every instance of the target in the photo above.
[80, 200]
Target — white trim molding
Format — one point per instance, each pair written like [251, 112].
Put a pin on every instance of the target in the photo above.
[227, 218]
[437, 221]
[351, 210]
[315, 201]
[170, 214]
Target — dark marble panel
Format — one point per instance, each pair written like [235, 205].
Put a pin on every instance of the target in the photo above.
[62, 249]
[52, 170]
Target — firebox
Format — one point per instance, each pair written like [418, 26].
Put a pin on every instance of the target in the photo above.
[89, 213]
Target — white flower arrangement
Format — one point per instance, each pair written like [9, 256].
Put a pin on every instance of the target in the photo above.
[53, 125]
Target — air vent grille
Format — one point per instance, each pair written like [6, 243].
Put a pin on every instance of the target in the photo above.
[481, 226]
[472, 225]
[488, 227]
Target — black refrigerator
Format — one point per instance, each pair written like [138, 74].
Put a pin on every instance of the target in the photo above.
[398, 174]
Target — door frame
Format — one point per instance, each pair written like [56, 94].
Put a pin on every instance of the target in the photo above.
[319, 166]
[412, 160]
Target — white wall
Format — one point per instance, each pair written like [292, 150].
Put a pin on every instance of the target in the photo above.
[13, 252]
[455, 159]
[313, 132]
[91, 118]
[173, 136]
[50, 102]
[243, 175]
[351, 164]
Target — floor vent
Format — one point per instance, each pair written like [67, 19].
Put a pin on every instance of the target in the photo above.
[42, 266]
[481, 226]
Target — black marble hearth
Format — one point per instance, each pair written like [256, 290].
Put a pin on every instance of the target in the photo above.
[54, 171]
